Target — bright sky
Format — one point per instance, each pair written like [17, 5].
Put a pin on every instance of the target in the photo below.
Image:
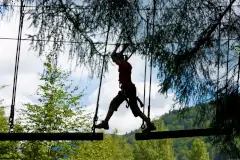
[31, 65]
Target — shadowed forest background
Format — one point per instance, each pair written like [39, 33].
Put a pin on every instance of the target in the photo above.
[194, 45]
[53, 114]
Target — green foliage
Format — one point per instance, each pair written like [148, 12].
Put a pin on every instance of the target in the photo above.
[113, 147]
[182, 146]
[186, 31]
[8, 149]
[155, 149]
[3, 121]
[58, 110]
[198, 151]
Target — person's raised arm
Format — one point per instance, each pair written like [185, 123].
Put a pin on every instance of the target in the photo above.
[118, 57]
[125, 46]
[115, 55]
[115, 50]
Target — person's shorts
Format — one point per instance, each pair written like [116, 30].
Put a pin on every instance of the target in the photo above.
[131, 95]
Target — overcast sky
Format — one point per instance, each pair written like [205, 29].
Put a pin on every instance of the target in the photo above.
[31, 65]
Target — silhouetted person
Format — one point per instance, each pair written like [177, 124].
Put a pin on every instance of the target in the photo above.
[128, 90]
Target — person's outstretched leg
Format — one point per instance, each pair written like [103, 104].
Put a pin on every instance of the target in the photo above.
[115, 103]
[136, 110]
[150, 125]
[104, 123]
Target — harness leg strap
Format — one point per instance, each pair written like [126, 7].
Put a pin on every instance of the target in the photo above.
[127, 106]
[141, 103]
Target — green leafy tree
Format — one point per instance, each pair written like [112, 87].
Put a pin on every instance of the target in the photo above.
[8, 149]
[185, 36]
[58, 110]
[113, 147]
[198, 150]
[155, 149]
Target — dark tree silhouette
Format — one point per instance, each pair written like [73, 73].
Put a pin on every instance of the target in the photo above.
[192, 40]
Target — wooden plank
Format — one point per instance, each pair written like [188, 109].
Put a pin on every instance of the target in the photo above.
[50, 136]
[181, 134]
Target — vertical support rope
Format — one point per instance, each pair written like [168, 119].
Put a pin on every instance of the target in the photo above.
[11, 118]
[217, 109]
[99, 91]
[218, 57]
[238, 74]
[95, 119]
[228, 46]
[145, 72]
[152, 50]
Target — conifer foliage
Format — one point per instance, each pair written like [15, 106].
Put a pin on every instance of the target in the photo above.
[192, 39]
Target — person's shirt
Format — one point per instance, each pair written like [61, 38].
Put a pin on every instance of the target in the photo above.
[125, 71]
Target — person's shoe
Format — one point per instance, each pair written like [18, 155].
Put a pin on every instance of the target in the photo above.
[103, 125]
[150, 127]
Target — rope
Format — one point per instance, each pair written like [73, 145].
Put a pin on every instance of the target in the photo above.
[150, 81]
[218, 58]
[228, 46]
[238, 74]
[97, 43]
[95, 119]
[100, 85]
[89, 8]
[51, 7]
[11, 117]
[145, 74]
[217, 109]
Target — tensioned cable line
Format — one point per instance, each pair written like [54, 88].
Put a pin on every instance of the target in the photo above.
[72, 42]
[145, 73]
[11, 118]
[88, 8]
[60, 41]
[228, 47]
[151, 58]
[78, 7]
[238, 74]
[95, 119]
